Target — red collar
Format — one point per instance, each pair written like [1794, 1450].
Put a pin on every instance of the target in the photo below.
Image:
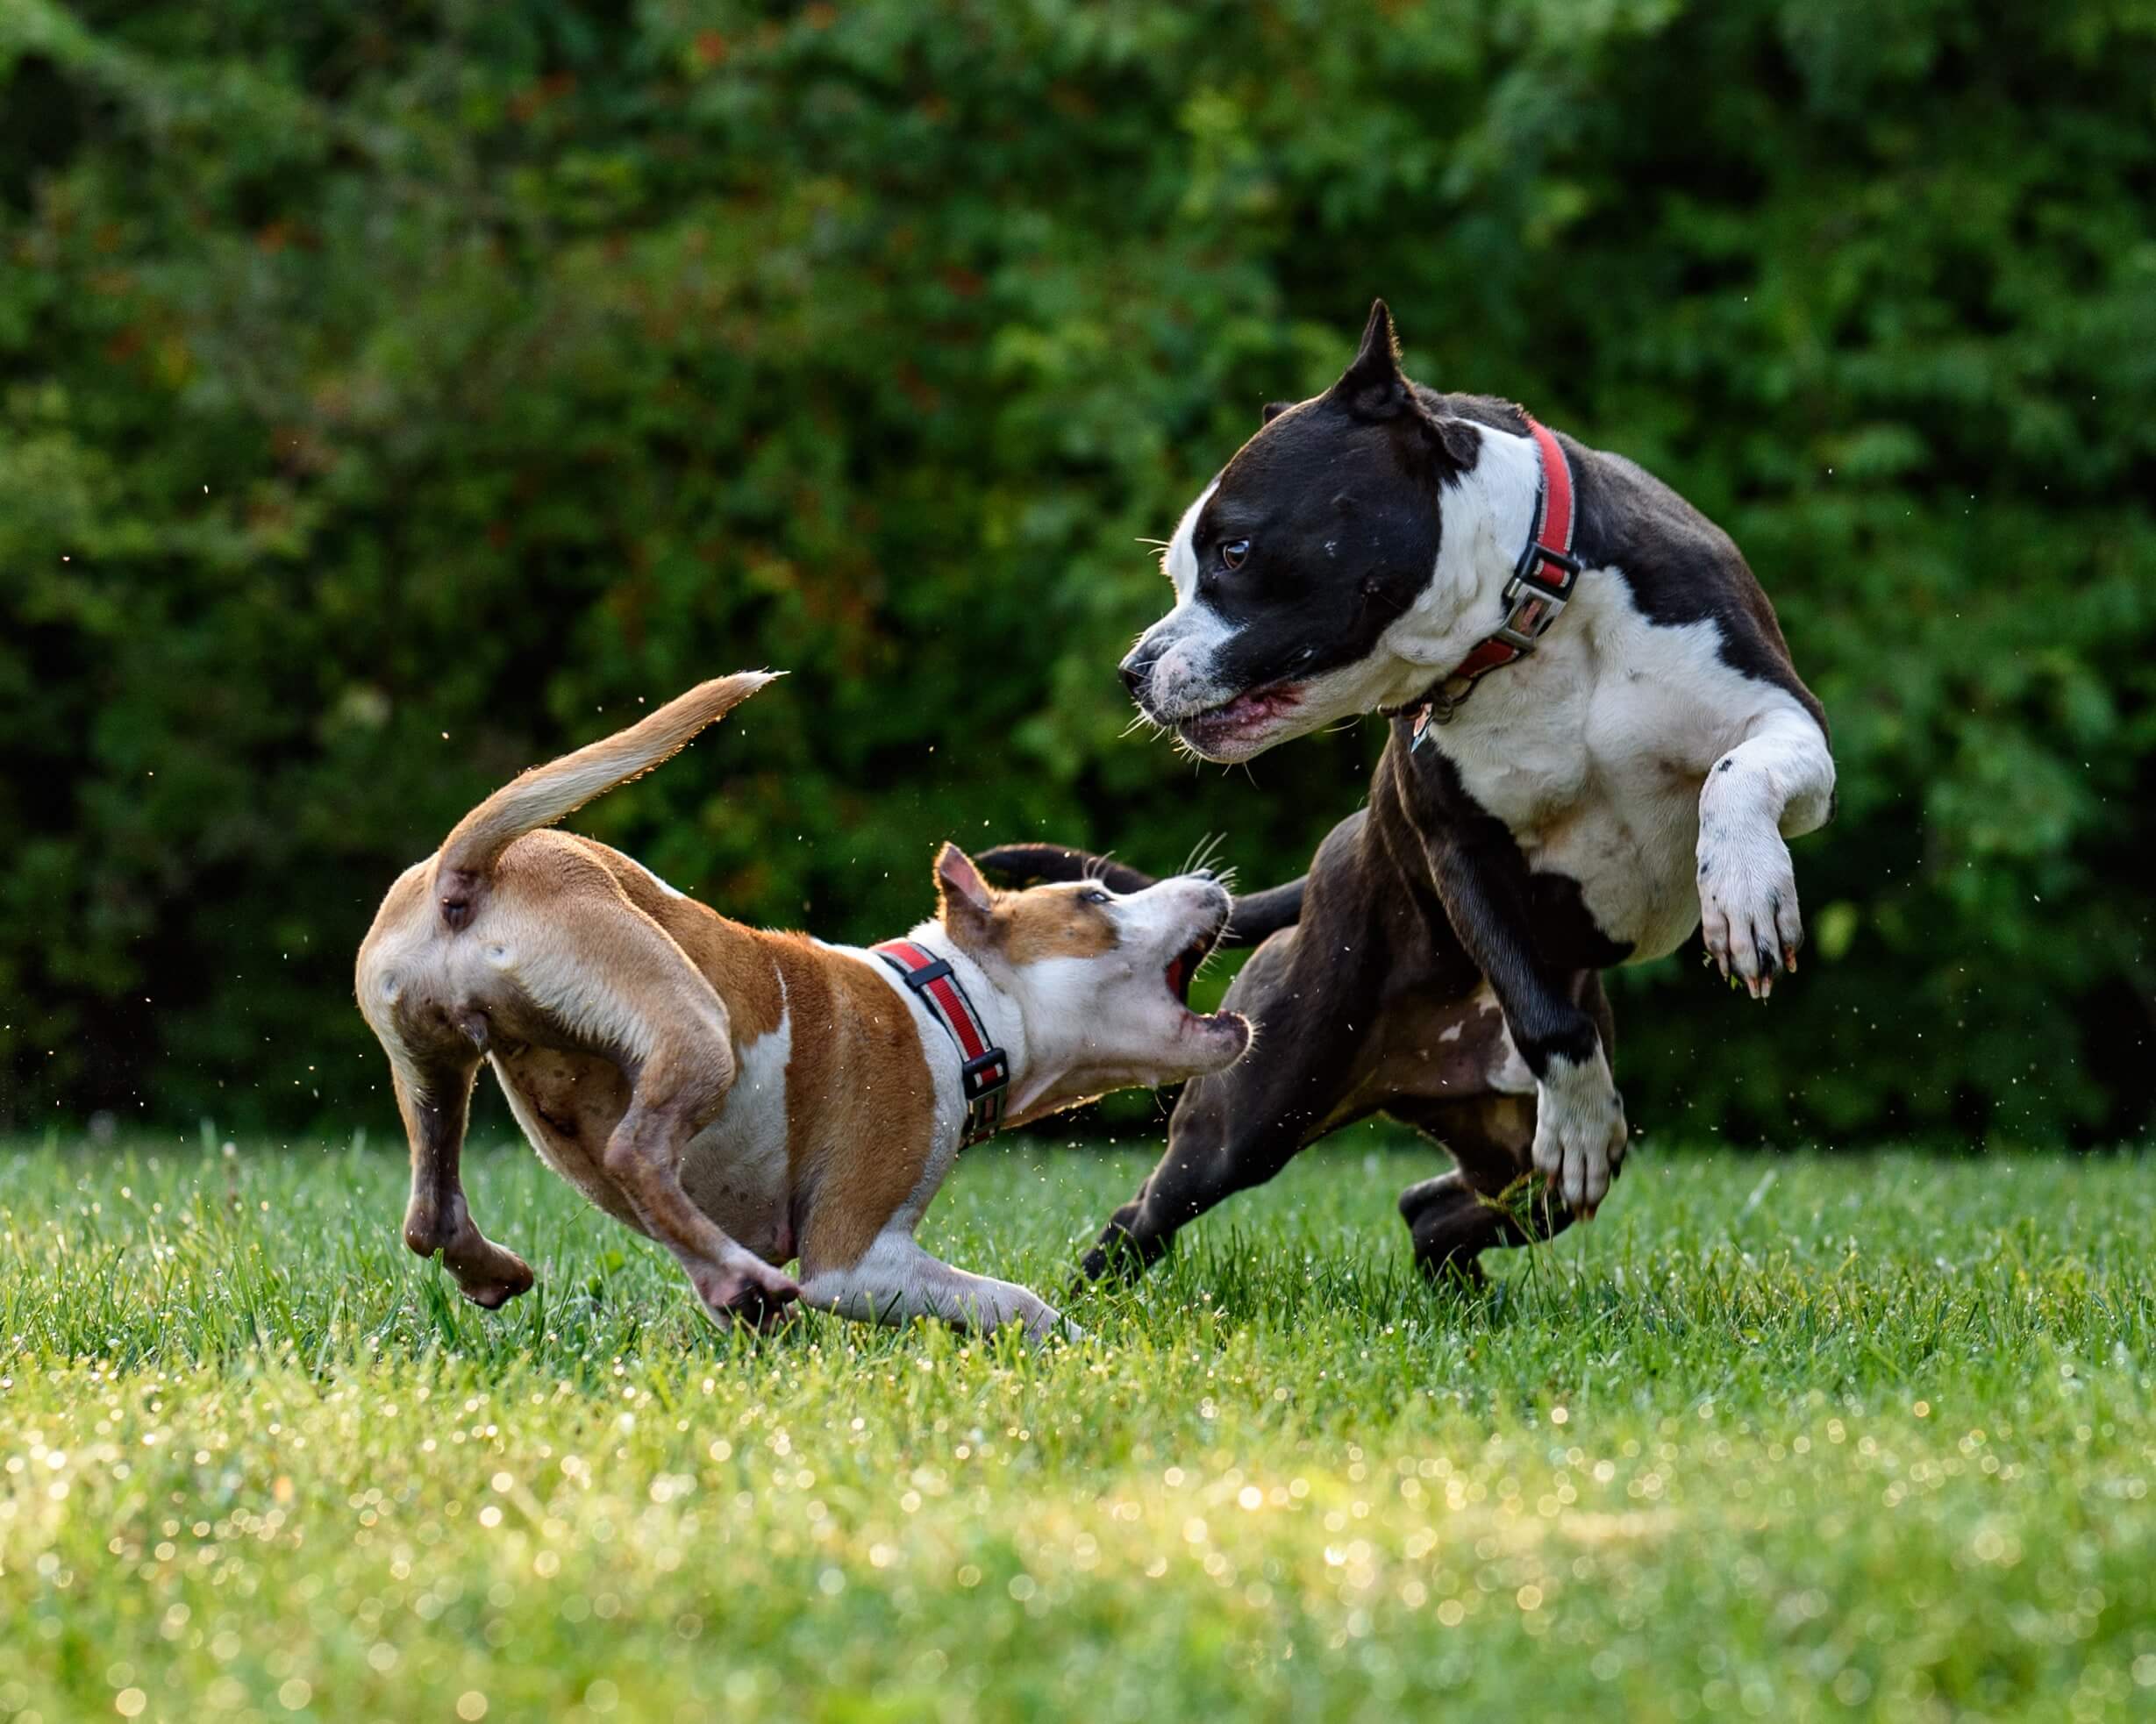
[984, 1076]
[1542, 582]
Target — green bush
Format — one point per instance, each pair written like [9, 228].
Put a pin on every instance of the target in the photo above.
[393, 396]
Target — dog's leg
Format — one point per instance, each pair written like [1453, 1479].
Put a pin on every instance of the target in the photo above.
[896, 1281]
[673, 1100]
[1777, 784]
[436, 1106]
[1580, 1131]
[605, 967]
[1311, 996]
[1486, 1200]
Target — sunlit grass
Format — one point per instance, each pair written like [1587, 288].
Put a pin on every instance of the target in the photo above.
[1795, 1438]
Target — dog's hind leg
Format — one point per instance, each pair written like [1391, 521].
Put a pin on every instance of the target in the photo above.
[672, 1100]
[436, 1103]
[1487, 1200]
[602, 965]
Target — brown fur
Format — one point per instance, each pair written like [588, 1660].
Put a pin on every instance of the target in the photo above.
[621, 1018]
[861, 1104]
[1022, 927]
[1036, 925]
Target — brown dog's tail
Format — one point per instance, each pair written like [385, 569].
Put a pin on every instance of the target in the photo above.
[552, 792]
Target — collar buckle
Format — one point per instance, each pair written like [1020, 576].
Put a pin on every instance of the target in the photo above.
[983, 1079]
[1541, 586]
[1530, 610]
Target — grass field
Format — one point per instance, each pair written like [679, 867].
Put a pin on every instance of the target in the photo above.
[1788, 1438]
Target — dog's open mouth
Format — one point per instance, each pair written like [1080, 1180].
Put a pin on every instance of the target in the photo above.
[1182, 969]
[1204, 1037]
[1225, 731]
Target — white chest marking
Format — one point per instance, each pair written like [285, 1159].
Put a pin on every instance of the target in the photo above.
[1593, 753]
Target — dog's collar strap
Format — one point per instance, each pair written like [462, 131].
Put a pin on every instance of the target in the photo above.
[1540, 586]
[984, 1073]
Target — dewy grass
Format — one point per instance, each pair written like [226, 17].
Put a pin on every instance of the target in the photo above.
[1802, 1437]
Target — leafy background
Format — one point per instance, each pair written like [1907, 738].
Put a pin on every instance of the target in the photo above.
[392, 395]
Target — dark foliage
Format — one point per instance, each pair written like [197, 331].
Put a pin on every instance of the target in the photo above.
[393, 394]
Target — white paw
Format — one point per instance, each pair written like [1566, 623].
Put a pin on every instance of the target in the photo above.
[1747, 902]
[1578, 1130]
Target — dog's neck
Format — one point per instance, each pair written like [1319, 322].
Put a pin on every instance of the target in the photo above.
[1045, 1078]
[1488, 511]
[1002, 1019]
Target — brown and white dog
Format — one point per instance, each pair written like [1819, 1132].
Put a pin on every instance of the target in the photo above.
[743, 1097]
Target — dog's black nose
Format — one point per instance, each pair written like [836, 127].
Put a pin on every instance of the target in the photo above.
[1134, 671]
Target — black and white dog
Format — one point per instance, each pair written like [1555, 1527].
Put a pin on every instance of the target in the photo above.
[1598, 742]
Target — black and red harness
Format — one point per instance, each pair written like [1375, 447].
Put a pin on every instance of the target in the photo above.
[984, 1073]
[1540, 586]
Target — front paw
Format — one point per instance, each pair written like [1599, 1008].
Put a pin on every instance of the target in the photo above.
[1580, 1132]
[1747, 905]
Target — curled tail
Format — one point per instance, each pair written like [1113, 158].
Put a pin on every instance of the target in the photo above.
[550, 793]
[1255, 918]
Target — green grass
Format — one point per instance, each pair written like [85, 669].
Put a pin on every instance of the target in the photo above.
[1793, 1438]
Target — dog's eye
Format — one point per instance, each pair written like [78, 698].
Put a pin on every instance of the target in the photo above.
[1232, 552]
[1094, 895]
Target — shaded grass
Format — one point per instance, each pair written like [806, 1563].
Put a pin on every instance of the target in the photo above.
[1795, 1437]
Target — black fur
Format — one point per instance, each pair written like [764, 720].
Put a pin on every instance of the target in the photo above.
[1254, 917]
[1369, 1002]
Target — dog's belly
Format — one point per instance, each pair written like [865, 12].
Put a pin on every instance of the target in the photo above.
[569, 1105]
[1437, 1050]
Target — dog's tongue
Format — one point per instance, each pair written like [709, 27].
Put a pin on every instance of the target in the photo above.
[1176, 976]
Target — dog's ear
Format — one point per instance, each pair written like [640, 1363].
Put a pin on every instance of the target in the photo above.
[964, 903]
[1373, 386]
[1272, 410]
[1374, 390]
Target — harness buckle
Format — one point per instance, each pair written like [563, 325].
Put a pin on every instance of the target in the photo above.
[984, 1075]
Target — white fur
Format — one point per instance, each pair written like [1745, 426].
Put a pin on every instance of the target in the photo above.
[896, 1281]
[1578, 1129]
[735, 1170]
[652, 874]
[1185, 674]
[1594, 753]
[1777, 783]
[1179, 561]
[1508, 1072]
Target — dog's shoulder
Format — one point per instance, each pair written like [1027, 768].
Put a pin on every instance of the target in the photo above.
[1679, 566]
